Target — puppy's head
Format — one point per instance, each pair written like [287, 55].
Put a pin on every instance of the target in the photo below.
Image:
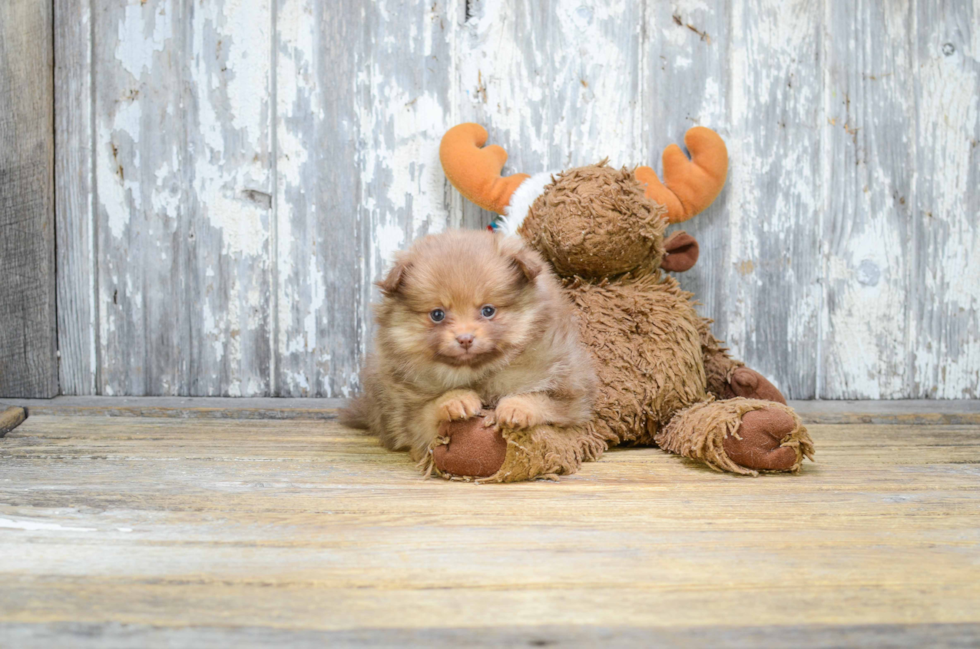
[461, 299]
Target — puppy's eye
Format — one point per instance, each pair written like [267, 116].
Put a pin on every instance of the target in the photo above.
[488, 310]
[437, 315]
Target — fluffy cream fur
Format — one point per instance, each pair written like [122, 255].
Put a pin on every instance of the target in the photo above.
[524, 366]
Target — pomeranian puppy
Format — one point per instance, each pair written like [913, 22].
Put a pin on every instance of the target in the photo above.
[471, 323]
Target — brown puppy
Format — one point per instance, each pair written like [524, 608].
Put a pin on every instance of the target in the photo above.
[470, 321]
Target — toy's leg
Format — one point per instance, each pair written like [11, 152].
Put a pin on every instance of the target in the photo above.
[470, 450]
[728, 377]
[739, 435]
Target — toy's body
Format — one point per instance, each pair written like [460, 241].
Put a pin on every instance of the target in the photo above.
[653, 354]
[663, 378]
[643, 334]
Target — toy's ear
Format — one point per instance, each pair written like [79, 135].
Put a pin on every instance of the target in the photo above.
[474, 170]
[689, 186]
[393, 281]
[680, 252]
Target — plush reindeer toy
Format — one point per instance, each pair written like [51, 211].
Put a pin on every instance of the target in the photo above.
[664, 379]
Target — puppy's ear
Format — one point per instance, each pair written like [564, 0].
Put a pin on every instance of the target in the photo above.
[393, 281]
[680, 252]
[523, 258]
[529, 263]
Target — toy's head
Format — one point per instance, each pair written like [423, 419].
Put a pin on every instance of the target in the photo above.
[593, 221]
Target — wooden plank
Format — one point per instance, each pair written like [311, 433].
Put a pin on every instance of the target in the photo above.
[299, 448]
[909, 411]
[905, 412]
[556, 84]
[28, 345]
[11, 418]
[685, 83]
[227, 232]
[208, 528]
[404, 107]
[945, 260]
[122, 603]
[802, 636]
[141, 176]
[319, 236]
[184, 184]
[75, 198]
[363, 98]
[183, 407]
[774, 192]
[866, 227]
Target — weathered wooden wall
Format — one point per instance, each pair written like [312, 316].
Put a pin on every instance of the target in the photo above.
[28, 351]
[233, 174]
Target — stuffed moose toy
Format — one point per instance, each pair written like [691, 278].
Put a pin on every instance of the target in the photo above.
[664, 379]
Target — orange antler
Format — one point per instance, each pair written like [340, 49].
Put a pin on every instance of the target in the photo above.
[475, 171]
[689, 185]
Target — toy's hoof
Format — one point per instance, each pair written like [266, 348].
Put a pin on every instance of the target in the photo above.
[473, 449]
[762, 431]
[750, 384]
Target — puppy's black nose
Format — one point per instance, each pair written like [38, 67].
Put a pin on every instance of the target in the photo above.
[465, 340]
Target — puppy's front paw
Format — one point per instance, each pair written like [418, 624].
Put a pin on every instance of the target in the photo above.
[456, 405]
[516, 413]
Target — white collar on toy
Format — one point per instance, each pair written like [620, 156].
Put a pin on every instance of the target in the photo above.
[521, 201]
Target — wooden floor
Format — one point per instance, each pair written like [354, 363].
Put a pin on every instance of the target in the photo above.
[199, 529]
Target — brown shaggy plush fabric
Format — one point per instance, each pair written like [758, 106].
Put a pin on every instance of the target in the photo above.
[547, 452]
[718, 367]
[642, 331]
[663, 377]
[700, 431]
[595, 222]
[660, 368]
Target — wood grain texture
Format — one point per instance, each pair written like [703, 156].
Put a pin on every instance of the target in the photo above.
[189, 407]
[867, 220]
[139, 162]
[686, 82]
[800, 636]
[183, 172]
[11, 418]
[945, 272]
[77, 262]
[169, 526]
[228, 219]
[556, 84]
[905, 411]
[256, 162]
[28, 346]
[319, 232]
[363, 98]
[775, 291]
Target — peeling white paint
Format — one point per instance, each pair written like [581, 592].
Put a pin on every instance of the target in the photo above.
[258, 279]
[35, 526]
[247, 64]
[389, 239]
[554, 107]
[119, 196]
[142, 34]
[243, 224]
[865, 332]
[946, 171]
[774, 190]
